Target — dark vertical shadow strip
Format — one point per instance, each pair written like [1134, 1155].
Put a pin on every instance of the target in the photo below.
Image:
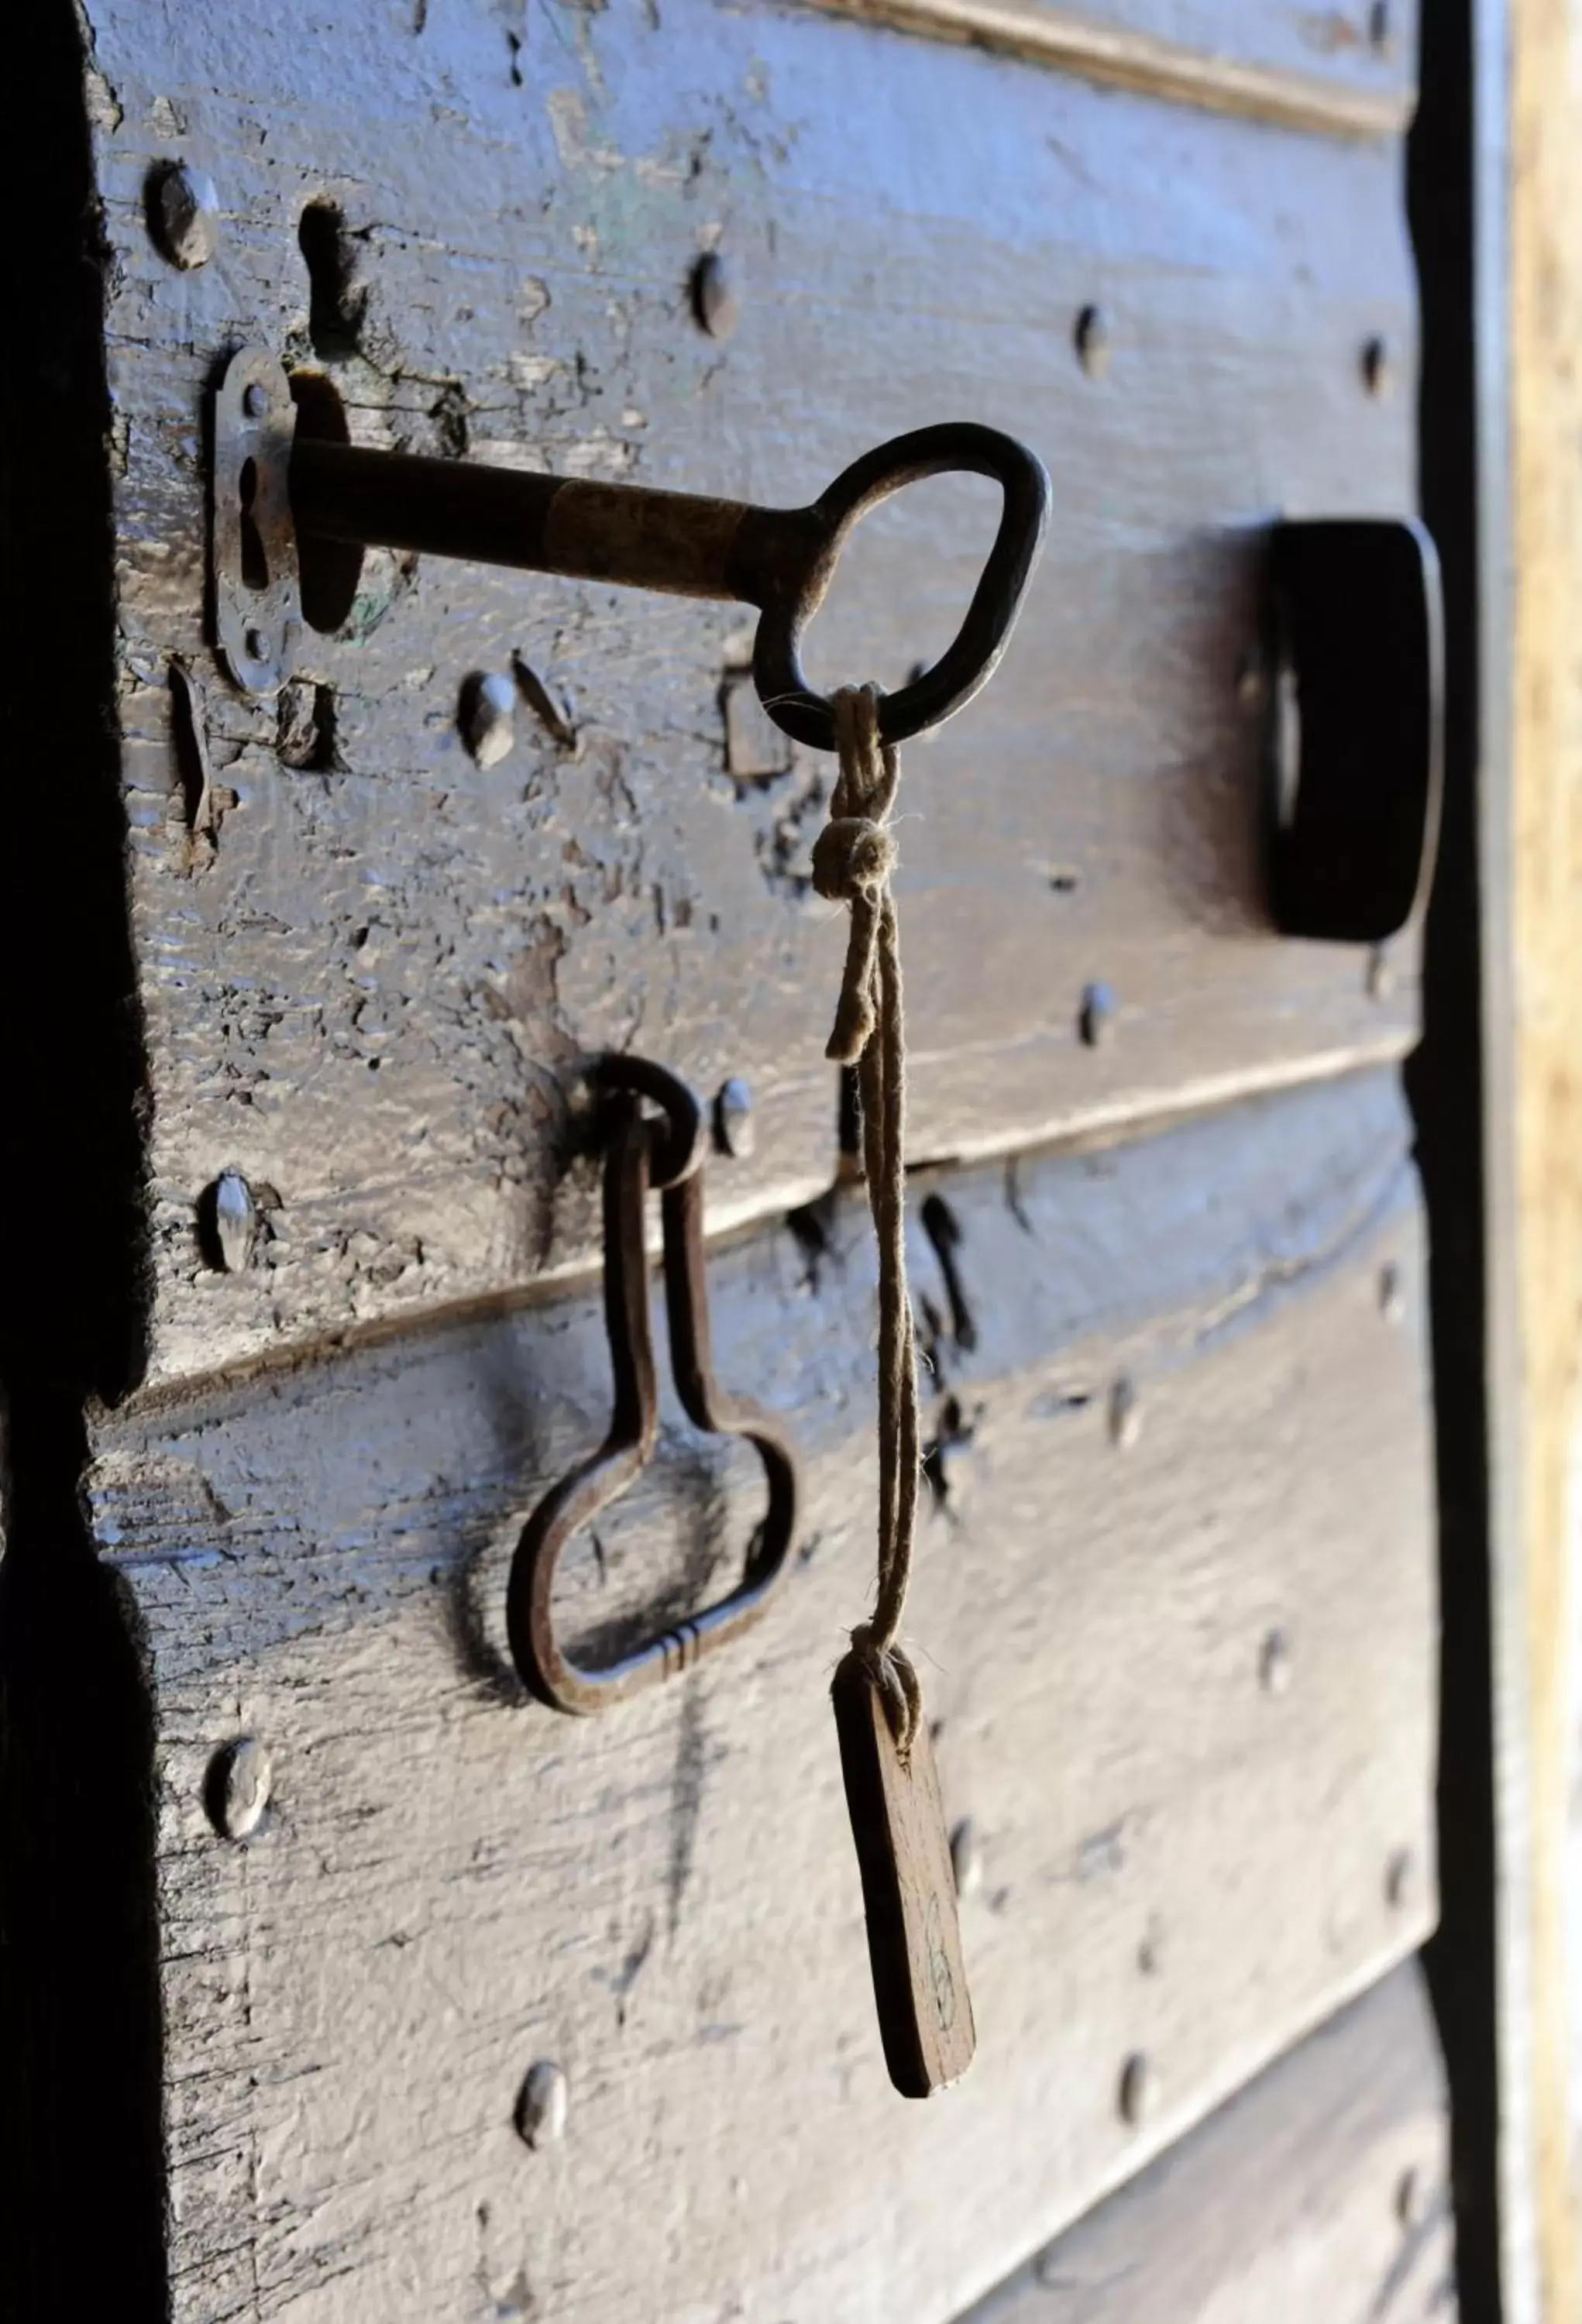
[1447, 1083]
[82, 2156]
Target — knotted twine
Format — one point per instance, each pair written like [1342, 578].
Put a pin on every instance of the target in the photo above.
[853, 859]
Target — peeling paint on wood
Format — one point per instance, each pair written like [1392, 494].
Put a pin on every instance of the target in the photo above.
[368, 990]
[1168, 1419]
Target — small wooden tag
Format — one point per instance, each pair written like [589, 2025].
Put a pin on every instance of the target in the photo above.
[908, 1891]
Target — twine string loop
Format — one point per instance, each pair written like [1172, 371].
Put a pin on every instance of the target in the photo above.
[853, 860]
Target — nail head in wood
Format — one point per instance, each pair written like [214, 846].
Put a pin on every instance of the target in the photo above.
[1252, 679]
[1400, 1880]
[1096, 1017]
[735, 1133]
[1092, 341]
[183, 210]
[541, 2104]
[966, 1857]
[1274, 1662]
[716, 302]
[1137, 2095]
[486, 715]
[1375, 366]
[1125, 1416]
[1412, 2197]
[237, 1787]
[236, 1220]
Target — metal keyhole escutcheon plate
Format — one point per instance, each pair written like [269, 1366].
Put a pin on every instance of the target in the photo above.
[258, 601]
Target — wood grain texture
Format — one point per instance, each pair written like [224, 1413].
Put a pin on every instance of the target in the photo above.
[1183, 1671]
[364, 980]
[1346, 73]
[1536, 841]
[1319, 2195]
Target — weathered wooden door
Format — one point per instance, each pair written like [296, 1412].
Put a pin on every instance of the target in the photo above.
[450, 2007]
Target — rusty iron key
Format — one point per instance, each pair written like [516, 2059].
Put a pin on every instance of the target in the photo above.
[272, 486]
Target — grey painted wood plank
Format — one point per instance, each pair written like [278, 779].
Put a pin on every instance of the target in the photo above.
[1338, 72]
[1180, 1856]
[1320, 2195]
[364, 988]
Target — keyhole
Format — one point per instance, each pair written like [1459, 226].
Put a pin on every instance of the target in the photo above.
[337, 303]
[254, 564]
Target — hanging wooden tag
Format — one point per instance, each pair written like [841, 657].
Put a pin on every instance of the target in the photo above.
[909, 1890]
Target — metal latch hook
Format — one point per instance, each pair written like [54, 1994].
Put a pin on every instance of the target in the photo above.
[641, 1156]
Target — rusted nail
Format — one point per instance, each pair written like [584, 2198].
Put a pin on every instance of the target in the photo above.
[1126, 1418]
[486, 715]
[237, 1788]
[1375, 366]
[541, 2105]
[966, 1857]
[1096, 1017]
[1274, 1662]
[183, 211]
[236, 1220]
[1091, 339]
[735, 1133]
[1138, 2094]
[715, 301]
